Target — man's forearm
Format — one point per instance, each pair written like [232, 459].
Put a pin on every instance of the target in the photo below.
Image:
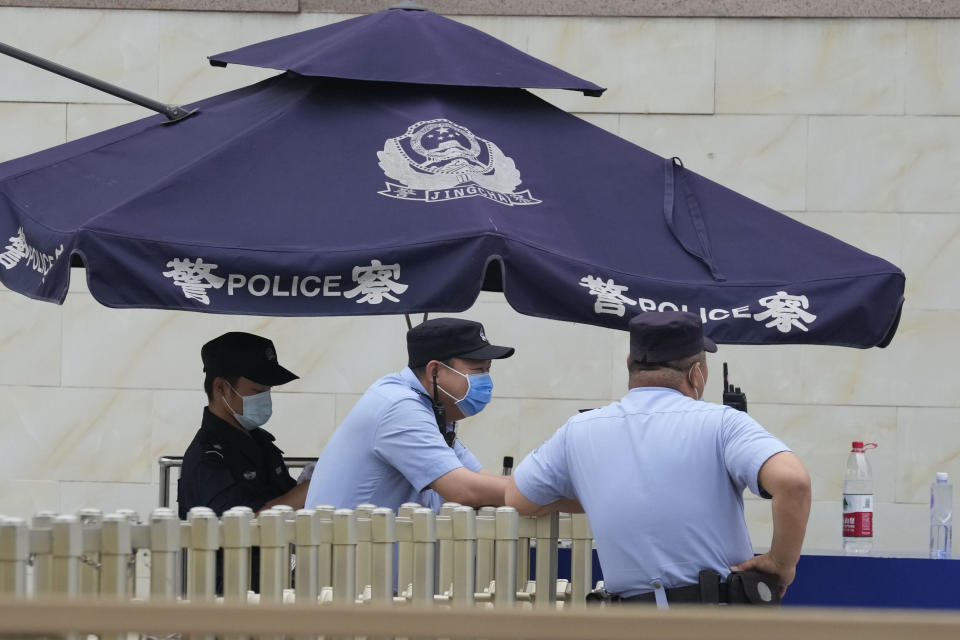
[493, 491]
[295, 498]
[564, 505]
[791, 509]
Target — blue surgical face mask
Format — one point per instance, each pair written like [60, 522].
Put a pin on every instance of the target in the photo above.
[479, 392]
[257, 409]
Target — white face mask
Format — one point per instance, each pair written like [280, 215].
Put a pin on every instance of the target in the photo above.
[257, 409]
[703, 383]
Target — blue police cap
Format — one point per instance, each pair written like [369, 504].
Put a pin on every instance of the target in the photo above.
[662, 336]
[445, 338]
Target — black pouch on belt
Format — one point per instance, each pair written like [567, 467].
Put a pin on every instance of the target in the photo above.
[753, 587]
[600, 596]
[709, 583]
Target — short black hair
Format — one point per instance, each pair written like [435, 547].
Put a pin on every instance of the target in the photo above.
[419, 371]
[210, 377]
[681, 364]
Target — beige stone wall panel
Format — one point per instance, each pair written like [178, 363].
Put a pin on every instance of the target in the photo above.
[119, 47]
[898, 164]
[928, 442]
[762, 157]
[933, 76]
[28, 127]
[811, 66]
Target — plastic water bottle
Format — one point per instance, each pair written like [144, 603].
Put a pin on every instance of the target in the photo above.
[858, 500]
[941, 516]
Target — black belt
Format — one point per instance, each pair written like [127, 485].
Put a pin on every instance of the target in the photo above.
[688, 594]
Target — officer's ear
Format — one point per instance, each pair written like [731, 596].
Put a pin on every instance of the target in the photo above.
[221, 386]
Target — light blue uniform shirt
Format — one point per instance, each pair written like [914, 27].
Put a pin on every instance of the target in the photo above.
[661, 479]
[387, 451]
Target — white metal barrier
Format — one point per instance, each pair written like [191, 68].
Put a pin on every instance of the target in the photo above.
[459, 557]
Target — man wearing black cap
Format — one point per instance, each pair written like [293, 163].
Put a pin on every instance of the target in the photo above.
[661, 475]
[398, 444]
[232, 461]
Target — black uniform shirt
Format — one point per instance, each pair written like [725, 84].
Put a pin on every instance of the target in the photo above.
[224, 467]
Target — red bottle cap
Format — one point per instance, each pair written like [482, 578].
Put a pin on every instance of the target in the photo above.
[857, 444]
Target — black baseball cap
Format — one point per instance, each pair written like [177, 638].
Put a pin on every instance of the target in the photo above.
[445, 338]
[662, 336]
[244, 354]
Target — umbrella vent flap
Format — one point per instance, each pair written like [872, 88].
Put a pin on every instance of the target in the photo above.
[673, 181]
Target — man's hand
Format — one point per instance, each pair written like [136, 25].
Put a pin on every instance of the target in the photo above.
[295, 498]
[766, 563]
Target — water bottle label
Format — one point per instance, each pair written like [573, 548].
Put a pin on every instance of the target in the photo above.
[857, 515]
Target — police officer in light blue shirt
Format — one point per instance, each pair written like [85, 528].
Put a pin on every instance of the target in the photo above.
[661, 474]
[398, 444]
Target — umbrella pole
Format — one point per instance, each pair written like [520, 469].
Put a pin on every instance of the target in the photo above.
[172, 112]
[410, 322]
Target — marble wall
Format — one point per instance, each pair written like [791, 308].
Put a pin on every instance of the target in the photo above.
[851, 126]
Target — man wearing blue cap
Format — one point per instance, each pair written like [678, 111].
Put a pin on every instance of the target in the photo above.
[398, 444]
[660, 475]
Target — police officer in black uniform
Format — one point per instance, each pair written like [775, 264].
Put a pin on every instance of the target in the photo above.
[232, 461]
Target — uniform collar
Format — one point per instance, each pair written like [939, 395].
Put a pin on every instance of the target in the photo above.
[410, 378]
[219, 431]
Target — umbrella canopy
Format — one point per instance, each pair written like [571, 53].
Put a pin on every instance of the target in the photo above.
[309, 196]
[406, 45]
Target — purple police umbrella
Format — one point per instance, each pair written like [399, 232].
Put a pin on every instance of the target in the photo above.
[406, 45]
[327, 196]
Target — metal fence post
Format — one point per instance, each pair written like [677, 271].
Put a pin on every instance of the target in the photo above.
[42, 526]
[91, 522]
[444, 570]
[273, 550]
[528, 530]
[548, 530]
[486, 536]
[308, 551]
[464, 555]
[67, 549]
[204, 542]
[237, 540]
[364, 546]
[136, 554]
[325, 550]
[424, 550]
[116, 549]
[164, 554]
[383, 537]
[508, 532]
[14, 554]
[289, 532]
[581, 560]
[404, 524]
[344, 556]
